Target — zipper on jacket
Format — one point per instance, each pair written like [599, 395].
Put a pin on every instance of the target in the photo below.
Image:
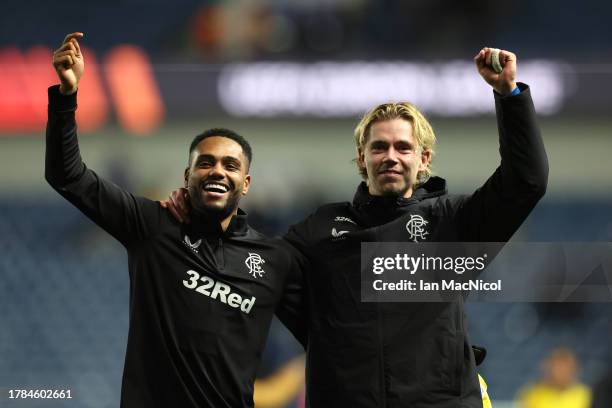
[381, 357]
[219, 254]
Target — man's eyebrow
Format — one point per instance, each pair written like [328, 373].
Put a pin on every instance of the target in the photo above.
[404, 143]
[378, 143]
[201, 157]
[231, 159]
[224, 159]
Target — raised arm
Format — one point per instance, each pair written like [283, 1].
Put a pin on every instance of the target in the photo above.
[497, 209]
[126, 217]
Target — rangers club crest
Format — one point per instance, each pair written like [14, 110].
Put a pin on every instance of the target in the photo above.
[416, 228]
[253, 262]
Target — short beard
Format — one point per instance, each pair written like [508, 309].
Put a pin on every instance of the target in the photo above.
[395, 193]
[200, 208]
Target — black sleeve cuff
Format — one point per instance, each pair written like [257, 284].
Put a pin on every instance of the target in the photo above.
[524, 88]
[59, 102]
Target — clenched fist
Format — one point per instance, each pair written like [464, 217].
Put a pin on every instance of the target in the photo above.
[69, 63]
[503, 82]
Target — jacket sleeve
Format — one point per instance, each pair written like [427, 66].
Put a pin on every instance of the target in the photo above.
[292, 310]
[298, 239]
[124, 216]
[298, 236]
[497, 209]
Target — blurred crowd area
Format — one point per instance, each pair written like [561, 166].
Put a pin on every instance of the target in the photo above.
[195, 30]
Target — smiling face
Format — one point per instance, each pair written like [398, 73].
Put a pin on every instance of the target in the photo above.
[392, 158]
[395, 147]
[217, 176]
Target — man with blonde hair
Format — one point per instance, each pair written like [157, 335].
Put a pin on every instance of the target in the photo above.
[424, 136]
[410, 354]
[413, 355]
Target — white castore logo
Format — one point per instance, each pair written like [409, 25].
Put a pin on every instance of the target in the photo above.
[416, 227]
[193, 246]
[253, 262]
[337, 234]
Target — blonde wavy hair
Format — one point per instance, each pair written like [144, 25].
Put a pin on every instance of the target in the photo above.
[422, 130]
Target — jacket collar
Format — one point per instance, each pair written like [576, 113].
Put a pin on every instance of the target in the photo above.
[209, 226]
[433, 187]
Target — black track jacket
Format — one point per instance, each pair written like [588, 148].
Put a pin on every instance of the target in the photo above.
[201, 300]
[409, 354]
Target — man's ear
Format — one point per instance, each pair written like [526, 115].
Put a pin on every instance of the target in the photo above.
[360, 158]
[186, 176]
[247, 184]
[425, 159]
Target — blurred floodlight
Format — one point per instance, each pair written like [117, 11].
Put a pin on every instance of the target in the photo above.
[337, 89]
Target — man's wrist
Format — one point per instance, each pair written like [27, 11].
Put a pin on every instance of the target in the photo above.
[508, 90]
[514, 92]
[67, 90]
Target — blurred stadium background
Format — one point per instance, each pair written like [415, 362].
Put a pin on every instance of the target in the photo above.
[294, 78]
